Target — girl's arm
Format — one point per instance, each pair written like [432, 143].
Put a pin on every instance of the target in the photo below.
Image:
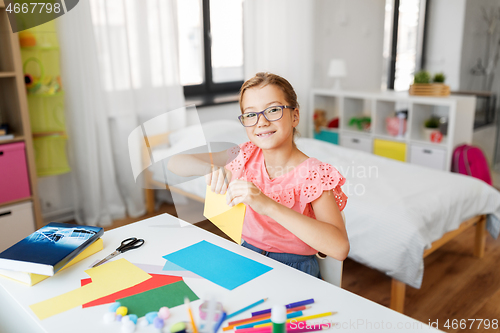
[326, 233]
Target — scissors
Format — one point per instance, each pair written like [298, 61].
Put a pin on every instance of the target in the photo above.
[127, 244]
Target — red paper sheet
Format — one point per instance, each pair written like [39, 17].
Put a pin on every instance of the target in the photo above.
[156, 281]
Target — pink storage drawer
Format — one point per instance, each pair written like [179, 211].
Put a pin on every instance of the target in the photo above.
[14, 181]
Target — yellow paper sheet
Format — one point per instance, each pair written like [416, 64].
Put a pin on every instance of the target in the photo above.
[226, 218]
[106, 279]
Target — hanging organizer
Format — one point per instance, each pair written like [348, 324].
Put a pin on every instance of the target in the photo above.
[40, 55]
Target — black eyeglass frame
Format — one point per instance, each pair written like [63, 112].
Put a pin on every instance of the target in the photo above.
[263, 112]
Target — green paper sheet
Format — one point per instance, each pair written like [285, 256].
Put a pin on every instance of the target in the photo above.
[170, 296]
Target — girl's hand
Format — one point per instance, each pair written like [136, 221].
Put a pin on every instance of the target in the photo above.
[218, 179]
[241, 191]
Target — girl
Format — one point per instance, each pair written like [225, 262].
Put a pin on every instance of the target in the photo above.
[293, 201]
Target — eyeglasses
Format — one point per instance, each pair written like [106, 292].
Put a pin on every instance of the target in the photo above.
[272, 113]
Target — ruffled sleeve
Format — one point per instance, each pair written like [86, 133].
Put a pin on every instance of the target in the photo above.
[322, 177]
[237, 158]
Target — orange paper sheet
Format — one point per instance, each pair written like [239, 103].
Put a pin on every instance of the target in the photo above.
[106, 279]
[226, 218]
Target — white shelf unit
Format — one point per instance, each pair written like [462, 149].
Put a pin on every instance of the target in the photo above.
[413, 147]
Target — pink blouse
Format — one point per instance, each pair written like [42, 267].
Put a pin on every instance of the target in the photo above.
[295, 189]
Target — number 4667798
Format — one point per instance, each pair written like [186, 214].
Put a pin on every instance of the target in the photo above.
[33, 8]
[471, 323]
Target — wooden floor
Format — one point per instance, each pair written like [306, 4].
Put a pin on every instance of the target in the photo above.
[456, 285]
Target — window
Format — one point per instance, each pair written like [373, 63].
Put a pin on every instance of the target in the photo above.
[404, 42]
[210, 36]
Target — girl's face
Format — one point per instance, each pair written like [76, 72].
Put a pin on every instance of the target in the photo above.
[269, 134]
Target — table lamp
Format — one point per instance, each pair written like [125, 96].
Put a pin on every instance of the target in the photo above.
[337, 70]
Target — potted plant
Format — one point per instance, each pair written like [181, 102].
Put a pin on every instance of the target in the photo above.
[422, 77]
[439, 78]
[425, 85]
[431, 131]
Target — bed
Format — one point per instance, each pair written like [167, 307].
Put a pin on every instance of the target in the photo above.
[397, 213]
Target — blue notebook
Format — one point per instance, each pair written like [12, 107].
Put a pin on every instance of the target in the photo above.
[50, 248]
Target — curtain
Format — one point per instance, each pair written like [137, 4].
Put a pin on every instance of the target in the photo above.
[278, 38]
[119, 69]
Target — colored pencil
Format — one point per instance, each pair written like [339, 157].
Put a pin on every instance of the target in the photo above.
[260, 322]
[246, 308]
[191, 318]
[221, 320]
[232, 324]
[304, 318]
[289, 306]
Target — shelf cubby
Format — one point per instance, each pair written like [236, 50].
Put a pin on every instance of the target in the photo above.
[422, 112]
[9, 103]
[330, 104]
[355, 108]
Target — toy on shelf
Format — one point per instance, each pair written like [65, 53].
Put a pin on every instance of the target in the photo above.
[43, 85]
[319, 119]
[334, 123]
[396, 126]
[361, 123]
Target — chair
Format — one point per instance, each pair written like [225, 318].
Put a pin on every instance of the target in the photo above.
[331, 269]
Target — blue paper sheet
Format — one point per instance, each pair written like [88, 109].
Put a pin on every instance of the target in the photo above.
[170, 266]
[222, 267]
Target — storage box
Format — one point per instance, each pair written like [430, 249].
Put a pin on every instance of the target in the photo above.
[357, 142]
[430, 157]
[16, 223]
[390, 149]
[14, 179]
[328, 136]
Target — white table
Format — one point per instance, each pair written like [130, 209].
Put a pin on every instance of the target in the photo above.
[165, 234]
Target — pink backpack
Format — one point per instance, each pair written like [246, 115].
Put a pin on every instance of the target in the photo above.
[470, 160]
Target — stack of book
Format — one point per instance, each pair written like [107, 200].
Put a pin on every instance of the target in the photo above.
[48, 250]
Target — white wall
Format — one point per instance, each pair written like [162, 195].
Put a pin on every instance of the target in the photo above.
[474, 44]
[352, 30]
[278, 38]
[456, 38]
[444, 39]
[56, 198]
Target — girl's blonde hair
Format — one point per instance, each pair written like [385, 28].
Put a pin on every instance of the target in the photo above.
[263, 79]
